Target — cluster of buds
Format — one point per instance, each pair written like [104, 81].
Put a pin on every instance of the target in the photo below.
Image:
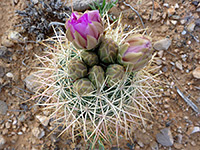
[102, 61]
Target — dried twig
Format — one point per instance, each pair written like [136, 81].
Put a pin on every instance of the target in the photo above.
[24, 90]
[191, 35]
[198, 88]
[188, 101]
[56, 23]
[152, 10]
[136, 13]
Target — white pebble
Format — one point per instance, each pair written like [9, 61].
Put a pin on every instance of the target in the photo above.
[9, 75]
[176, 6]
[166, 5]
[174, 22]
[183, 32]
[20, 133]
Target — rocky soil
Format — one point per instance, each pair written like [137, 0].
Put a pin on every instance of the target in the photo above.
[174, 27]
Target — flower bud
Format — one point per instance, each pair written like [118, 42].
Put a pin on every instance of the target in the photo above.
[83, 86]
[84, 30]
[108, 51]
[89, 58]
[135, 52]
[114, 74]
[97, 76]
[76, 69]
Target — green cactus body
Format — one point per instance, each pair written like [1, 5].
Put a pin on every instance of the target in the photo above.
[76, 69]
[114, 74]
[108, 51]
[97, 76]
[90, 58]
[83, 86]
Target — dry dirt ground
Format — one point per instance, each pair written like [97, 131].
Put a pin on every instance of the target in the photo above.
[176, 66]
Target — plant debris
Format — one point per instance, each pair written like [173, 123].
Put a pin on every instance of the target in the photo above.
[188, 101]
[37, 17]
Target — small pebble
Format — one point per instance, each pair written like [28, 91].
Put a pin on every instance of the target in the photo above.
[165, 69]
[178, 145]
[3, 108]
[35, 1]
[122, 7]
[174, 22]
[176, 17]
[193, 130]
[191, 27]
[196, 73]
[166, 5]
[19, 133]
[193, 143]
[176, 6]
[8, 125]
[38, 132]
[31, 83]
[140, 144]
[2, 141]
[171, 11]
[9, 75]
[160, 53]
[14, 36]
[183, 32]
[43, 119]
[179, 65]
[163, 44]
[195, 3]
[183, 21]
[180, 137]
[154, 145]
[158, 62]
[165, 137]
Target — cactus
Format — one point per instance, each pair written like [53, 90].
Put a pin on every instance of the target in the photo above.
[114, 74]
[108, 51]
[97, 76]
[83, 86]
[124, 99]
[76, 69]
[90, 58]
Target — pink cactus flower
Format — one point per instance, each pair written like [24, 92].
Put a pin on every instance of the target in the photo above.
[84, 30]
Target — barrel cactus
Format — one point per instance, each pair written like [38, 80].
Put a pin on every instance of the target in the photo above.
[99, 97]
[97, 76]
[114, 74]
[108, 51]
[76, 69]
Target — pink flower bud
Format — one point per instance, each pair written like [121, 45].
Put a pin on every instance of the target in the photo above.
[84, 30]
[136, 51]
